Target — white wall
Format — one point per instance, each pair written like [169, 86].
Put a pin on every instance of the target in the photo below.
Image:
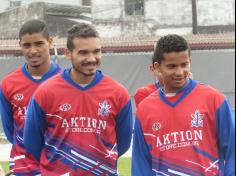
[110, 9]
[70, 2]
[169, 12]
[216, 12]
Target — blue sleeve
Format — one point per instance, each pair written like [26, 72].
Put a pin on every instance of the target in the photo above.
[124, 123]
[226, 135]
[34, 129]
[141, 156]
[7, 117]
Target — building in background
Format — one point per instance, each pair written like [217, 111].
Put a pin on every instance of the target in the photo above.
[59, 17]
[121, 18]
[157, 17]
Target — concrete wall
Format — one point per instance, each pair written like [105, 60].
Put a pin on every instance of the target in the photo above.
[58, 25]
[107, 10]
[163, 17]
[59, 19]
[71, 2]
[217, 12]
[12, 20]
[169, 13]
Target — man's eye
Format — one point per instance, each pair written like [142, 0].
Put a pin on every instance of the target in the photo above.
[97, 51]
[171, 66]
[26, 45]
[83, 52]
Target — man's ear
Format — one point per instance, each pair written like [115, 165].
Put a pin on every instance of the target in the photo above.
[156, 66]
[50, 41]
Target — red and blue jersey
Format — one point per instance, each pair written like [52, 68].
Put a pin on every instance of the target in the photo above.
[190, 134]
[16, 90]
[144, 92]
[74, 130]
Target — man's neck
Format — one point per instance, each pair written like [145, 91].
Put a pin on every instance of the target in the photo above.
[39, 71]
[173, 92]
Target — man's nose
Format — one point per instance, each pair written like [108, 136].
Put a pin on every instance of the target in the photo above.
[91, 57]
[179, 71]
[33, 50]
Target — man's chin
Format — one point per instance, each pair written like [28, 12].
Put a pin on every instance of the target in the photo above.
[89, 74]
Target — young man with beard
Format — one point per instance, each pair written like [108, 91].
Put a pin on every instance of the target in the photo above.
[185, 128]
[79, 122]
[18, 87]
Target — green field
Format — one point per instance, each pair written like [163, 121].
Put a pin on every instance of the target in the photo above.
[124, 166]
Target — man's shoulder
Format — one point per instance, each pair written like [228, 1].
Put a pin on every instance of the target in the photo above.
[212, 95]
[146, 89]
[150, 100]
[13, 75]
[52, 83]
[115, 85]
[208, 90]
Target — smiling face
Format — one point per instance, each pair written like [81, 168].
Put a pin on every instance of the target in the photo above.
[35, 47]
[85, 57]
[175, 70]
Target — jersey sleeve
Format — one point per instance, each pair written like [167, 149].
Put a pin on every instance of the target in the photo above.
[141, 156]
[34, 129]
[124, 123]
[6, 116]
[226, 135]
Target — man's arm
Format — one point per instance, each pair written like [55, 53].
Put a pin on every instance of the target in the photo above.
[124, 123]
[6, 116]
[34, 129]
[141, 157]
[226, 134]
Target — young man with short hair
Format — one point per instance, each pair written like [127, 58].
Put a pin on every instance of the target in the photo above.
[185, 128]
[79, 122]
[18, 87]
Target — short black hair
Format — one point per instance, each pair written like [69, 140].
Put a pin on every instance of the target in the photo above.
[34, 26]
[81, 30]
[167, 44]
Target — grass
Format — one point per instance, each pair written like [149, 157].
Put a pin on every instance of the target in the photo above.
[5, 166]
[124, 166]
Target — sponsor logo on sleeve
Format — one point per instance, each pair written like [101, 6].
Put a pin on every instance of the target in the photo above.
[19, 97]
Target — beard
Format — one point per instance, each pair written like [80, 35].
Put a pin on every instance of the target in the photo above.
[77, 69]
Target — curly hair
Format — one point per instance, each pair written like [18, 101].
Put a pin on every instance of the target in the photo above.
[168, 44]
[81, 30]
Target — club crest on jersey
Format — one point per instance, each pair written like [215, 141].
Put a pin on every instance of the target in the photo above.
[18, 97]
[104, 109]
[156, 126]
[65, 107]
[197, 119]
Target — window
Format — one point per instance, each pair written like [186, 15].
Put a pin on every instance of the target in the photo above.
[86, 2]
[15, 3]
[134, 7]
